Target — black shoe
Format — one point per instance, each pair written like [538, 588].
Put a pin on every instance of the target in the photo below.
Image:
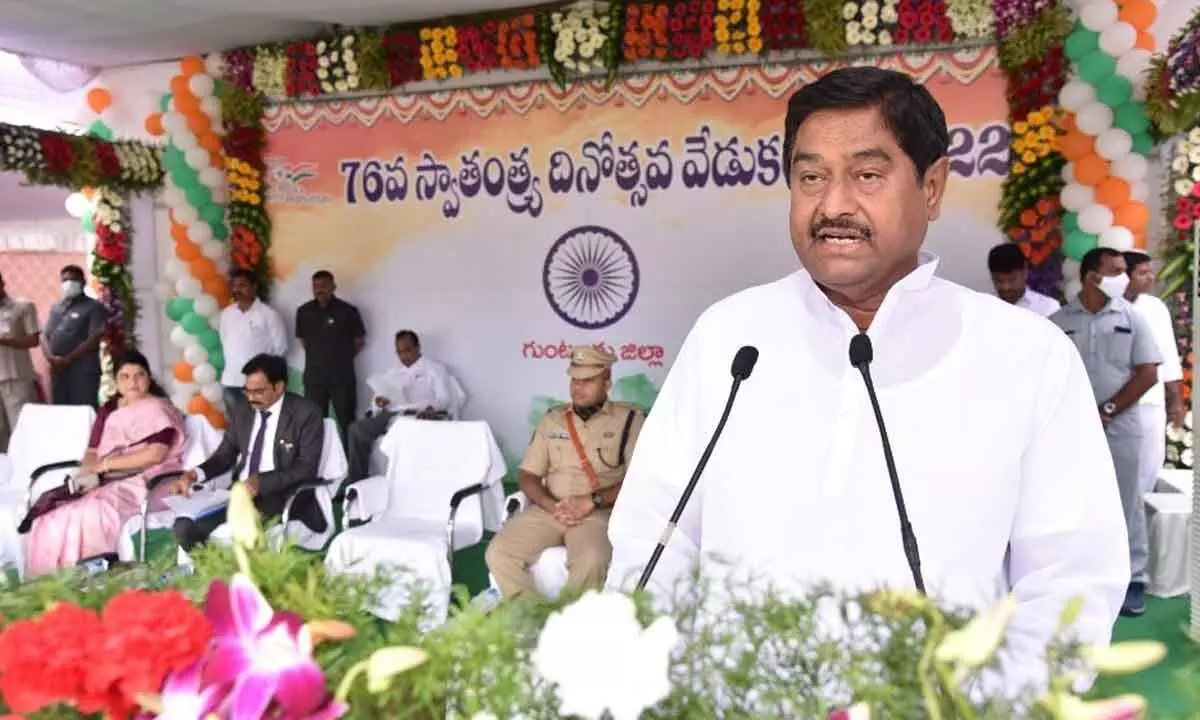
[1135, 600]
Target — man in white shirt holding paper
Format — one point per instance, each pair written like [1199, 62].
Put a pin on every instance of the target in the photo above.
[419, 387]
[1164, 401]
[1009, 269]
[248, 327]
[998, 444]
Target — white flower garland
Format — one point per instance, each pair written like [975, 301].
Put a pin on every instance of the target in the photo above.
[1179, 444]
[870, 23]
[971, 19]
[139, 163]
[1185, 165]
[579, 33]
[270, 73]
[337, 65]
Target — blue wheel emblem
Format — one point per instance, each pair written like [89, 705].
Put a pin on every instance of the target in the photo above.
[590, 277]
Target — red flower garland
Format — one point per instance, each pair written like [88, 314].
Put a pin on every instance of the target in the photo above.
[477, 47]
[402, 49]
[782, 24]
[691, 28]
[517, 42]
[302, 70]
[646, 31]
[57, 154]
[923, 22]
[1036, 84]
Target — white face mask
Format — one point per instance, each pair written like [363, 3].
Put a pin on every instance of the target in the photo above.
[72, 288]
[1114, 286]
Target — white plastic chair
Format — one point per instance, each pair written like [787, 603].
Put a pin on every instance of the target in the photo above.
[46, 438]
[441, 492]
[549, 571]
[378, 463]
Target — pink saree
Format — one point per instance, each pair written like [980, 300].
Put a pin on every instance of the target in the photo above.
[92, 524]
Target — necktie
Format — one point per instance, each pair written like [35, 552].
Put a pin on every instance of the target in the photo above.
[256, 450]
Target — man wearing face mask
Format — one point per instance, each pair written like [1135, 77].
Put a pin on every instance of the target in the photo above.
[1121, 358]
[71, 343]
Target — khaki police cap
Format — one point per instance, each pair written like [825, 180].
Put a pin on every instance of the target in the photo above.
[587, 362]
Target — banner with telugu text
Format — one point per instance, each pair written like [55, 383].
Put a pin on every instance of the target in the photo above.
[506, 224]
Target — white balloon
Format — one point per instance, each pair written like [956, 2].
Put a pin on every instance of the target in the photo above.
[1094, 118]
[214, 321]
[195, 354]
[204, 374]
[1068, 173]
[206, 305]
[1114, 143]
[214, 64]
[1133, 64]
[1070, 268]
[180, 400]
[198, 158]
[201, 85]
[1118, 39]
[173, 122]
[1130, 166]
[213, 392]
[186, 214]
[1098, 15]
[213, 249]
[1076, 197]
[175, 269]
[220, 194]
[173, 197]
[200, 232]
[1095, 219]
[211, 177]
[77, 205]
[211, 106]
[181, 387]
[185, 140]
[1139, 190]
[180, 337]
[1075, 94]
[1073, 288]
[188, 287]
[1117, 238]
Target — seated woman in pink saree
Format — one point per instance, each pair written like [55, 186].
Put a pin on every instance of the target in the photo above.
[138, 434]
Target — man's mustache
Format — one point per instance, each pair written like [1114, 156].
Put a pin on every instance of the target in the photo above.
[839, 227]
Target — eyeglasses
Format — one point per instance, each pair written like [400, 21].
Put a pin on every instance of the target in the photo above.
[255, 392]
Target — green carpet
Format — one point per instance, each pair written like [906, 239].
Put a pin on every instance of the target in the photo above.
[1173, 692]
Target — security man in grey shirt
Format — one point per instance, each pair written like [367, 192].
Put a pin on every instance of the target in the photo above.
[1122, 360]
[71, 343]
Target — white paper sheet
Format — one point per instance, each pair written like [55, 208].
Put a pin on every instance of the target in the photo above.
[198, 503]
[384, 385]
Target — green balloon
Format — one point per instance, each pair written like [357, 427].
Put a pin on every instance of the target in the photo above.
[212, 214]
[1080, 42]
[198, 195]
[1143, 144]
[216, 358]
[1078, 243]
[194, 324]
[220, 231]
[89, 222]
[1114, 90]
[164, 103]
[210, 340]
[100, 130]
[1095, 66]
[1131, 117]
[1070, 223]
[173, 158]
[179, 308]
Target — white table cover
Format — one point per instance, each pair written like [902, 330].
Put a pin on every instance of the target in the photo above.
[1175, 480]
[1169, 522]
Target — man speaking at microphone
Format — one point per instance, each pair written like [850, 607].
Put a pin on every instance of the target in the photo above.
[999, 453]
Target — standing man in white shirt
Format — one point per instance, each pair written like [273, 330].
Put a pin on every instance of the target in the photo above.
[998, 445]
[18, 334]
[1010, 276]
[248, 327]
[424, 388]
[1164, 401]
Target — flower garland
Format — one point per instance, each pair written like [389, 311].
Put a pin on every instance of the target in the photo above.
[783, 25]
[922, 22]
[478, 46]
[585, 37]
[971, 19]
[1031, 34]
[46, 157]
[244, 146]
[1182, 204]
[337, 64]
[270, 72]
[646, 31]
[1173, 93]
[302, 65]
[439, 53]
[517, 42]
[738, 31]
[402, 56]
[872, 23]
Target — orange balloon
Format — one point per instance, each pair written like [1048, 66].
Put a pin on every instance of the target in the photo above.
[1113, 192]
[192, 65]
[1145, 41]
[99, 99]
[210, 142]
[1075, 145]
[1139, 240]
[1138, 13]
[88, 193]
[216, 159]
[183, 372]
[154, 125]
[188, 251]
[1066, 123]
[180, 89]
[202, 269]
[199, 123]
[216, 418]
[1133, 215]
[179, 233]
[214, 285]
[1091, 169]
[187, 104]
[198, 405]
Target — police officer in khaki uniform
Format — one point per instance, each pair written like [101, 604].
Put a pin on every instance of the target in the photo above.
[571, 474]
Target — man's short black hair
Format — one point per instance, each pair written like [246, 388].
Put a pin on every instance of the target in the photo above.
[323, 275]
[411, 335]
[72, 270]
[1094, 258]
[1006, 258]
[1133, 258]
[907, 107]
[273, 367]
[244, 274]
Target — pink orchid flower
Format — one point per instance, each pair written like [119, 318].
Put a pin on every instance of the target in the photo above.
[264, 656]
[185, 697]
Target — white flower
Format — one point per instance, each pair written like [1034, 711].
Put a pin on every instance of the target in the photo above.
[569, 63]
[888, 14]
[1183, 187]
[632, 661]
[1185, 457]
[347, 41]
[321, 46]
[870, 8]
[352, 82]
[870, 22]
[322, 73]
[1194, 135]
[850, 11]
[1187, 439]
[340, 86]
[583, 67]
[867, 38]
[853, 36]
[885, 37]
[1180, 164]
[853, 27]
[1196, 173]
[1194, 156]
[1184, 147]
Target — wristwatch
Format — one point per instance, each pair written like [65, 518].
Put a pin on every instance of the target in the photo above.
[1109, 408]
[597, 500]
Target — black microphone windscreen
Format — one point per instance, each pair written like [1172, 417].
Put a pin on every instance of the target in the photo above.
[743, 362]
[861, 352]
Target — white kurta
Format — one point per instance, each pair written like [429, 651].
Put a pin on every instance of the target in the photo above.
[1005, 469]
[1043, 305]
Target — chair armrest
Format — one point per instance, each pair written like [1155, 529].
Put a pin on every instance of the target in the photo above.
[42, 470]
[456, 500]
[364, 499]
[515, 503]
[295, 492]
[161, 479]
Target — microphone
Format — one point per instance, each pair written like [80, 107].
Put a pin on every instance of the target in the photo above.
[743, 365]
[861, 354]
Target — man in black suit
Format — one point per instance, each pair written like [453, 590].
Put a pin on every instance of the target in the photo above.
[273, 444]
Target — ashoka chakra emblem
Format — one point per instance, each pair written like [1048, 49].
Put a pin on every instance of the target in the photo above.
[590, 277]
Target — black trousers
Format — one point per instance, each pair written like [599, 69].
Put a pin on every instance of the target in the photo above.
[190, 532]
[341, 393]
[76, 385]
